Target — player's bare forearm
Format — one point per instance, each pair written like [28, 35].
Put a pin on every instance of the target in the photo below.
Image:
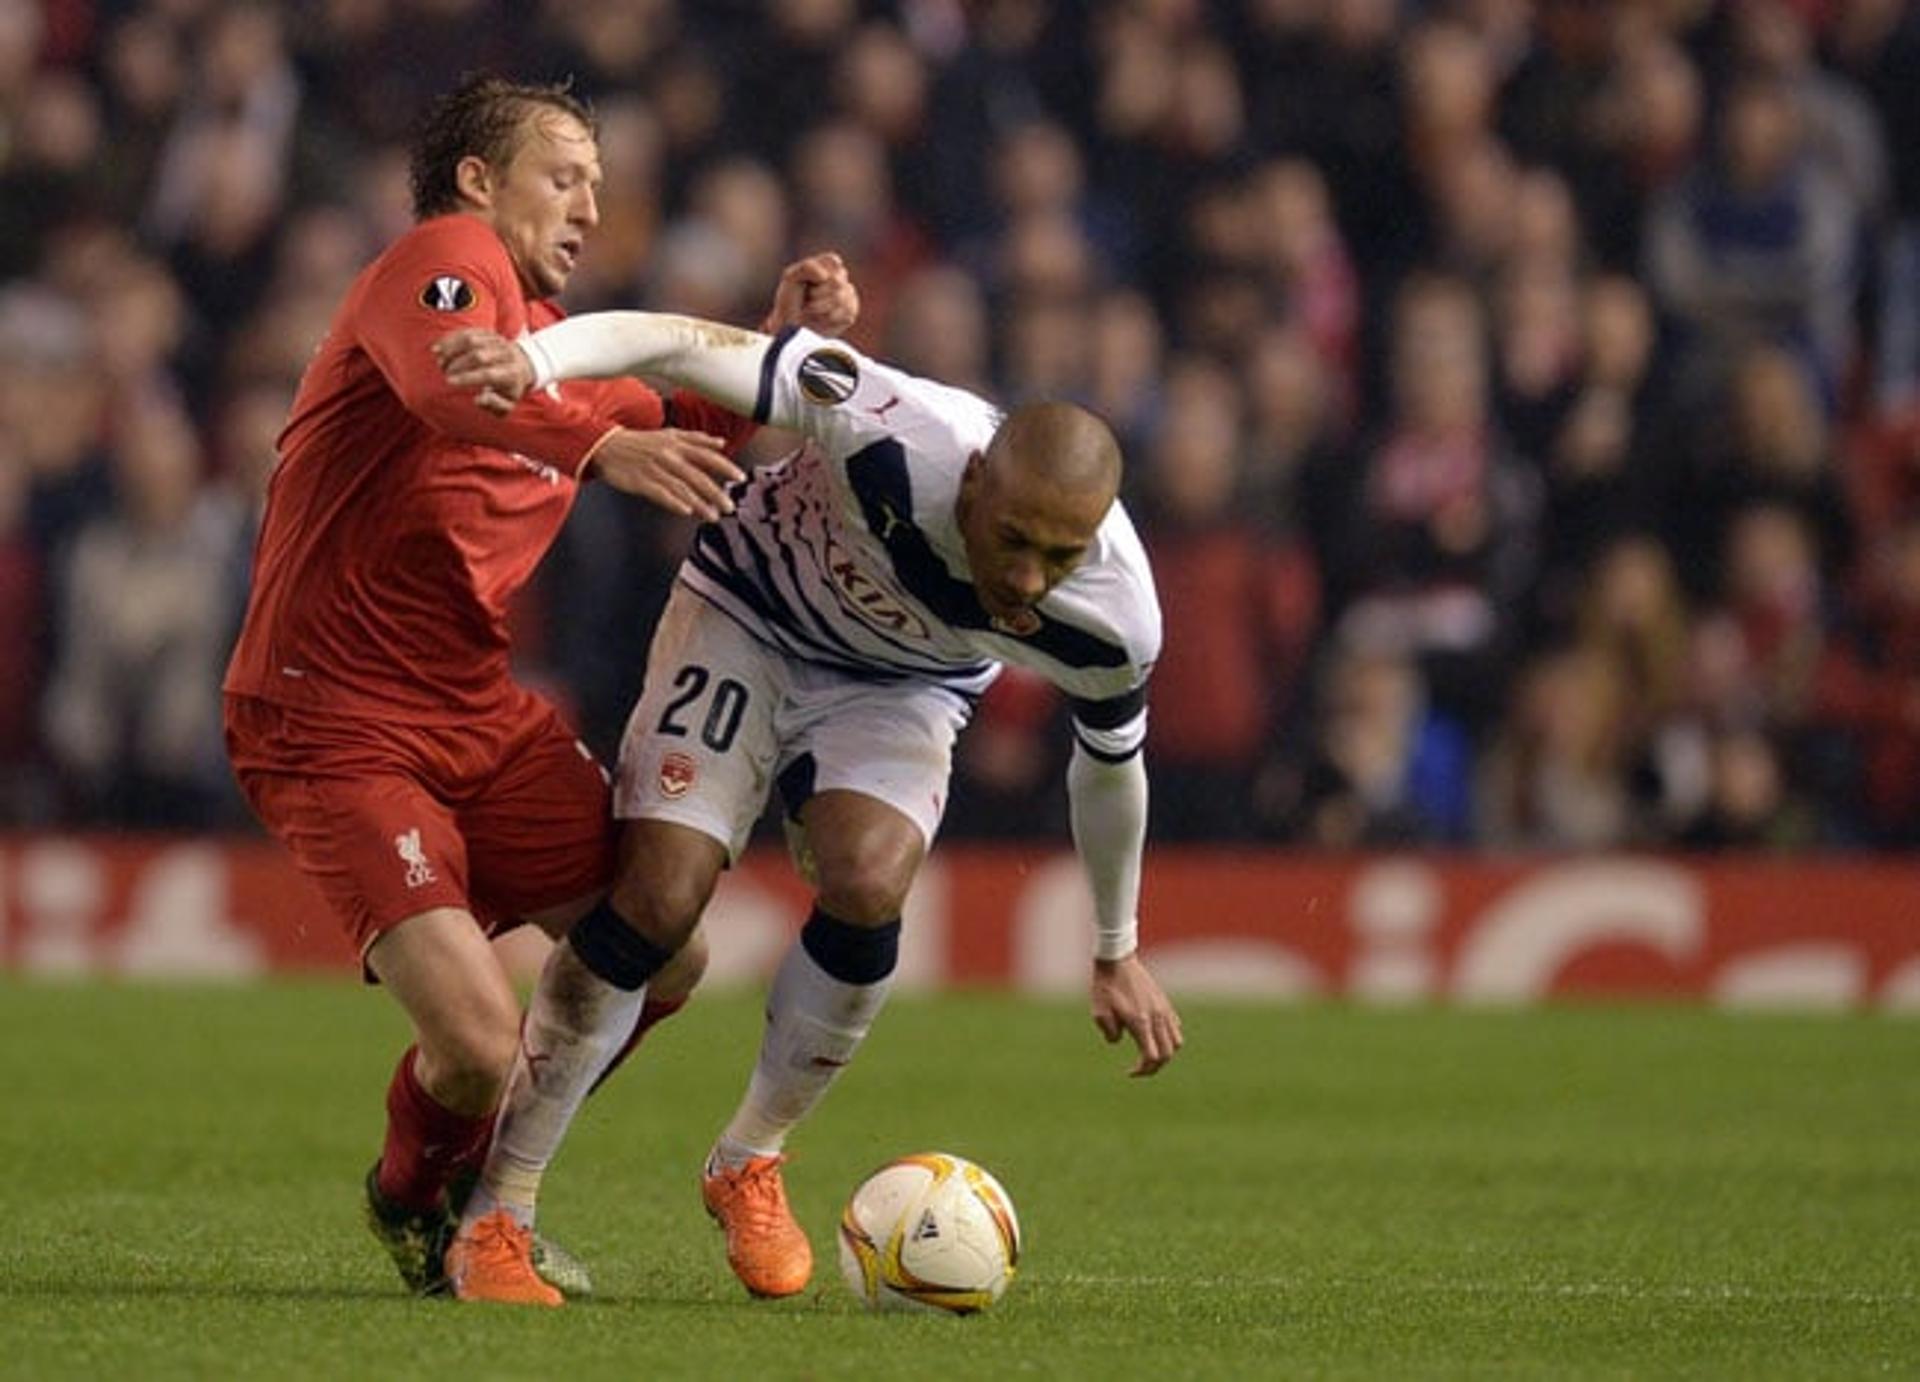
[683, 472]
[1128, 1001]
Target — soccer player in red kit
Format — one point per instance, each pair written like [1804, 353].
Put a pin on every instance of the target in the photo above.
[371, 716]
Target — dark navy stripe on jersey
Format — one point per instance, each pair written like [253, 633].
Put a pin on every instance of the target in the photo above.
[713, 560]
[790, 542]
[784, 526]
[763, 402]
[760, 630]
[904, 652]
[879, 478]
[823, 627]
[1111, 713]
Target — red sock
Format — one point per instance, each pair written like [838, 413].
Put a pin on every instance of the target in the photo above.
[652, 1013]
[427, 1142]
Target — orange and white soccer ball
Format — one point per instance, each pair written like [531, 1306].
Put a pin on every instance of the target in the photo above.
[929, 1231]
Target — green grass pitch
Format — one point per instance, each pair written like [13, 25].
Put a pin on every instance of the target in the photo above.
[1311, 1191]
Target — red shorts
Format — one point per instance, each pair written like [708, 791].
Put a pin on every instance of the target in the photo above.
[503, 816]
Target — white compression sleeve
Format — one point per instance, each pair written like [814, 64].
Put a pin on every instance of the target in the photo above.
[719, 362]
[1108, 805]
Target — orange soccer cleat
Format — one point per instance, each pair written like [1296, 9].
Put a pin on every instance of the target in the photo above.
[492, 1259]
[766, 1248]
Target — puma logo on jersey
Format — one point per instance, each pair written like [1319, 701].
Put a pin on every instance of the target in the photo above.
[885, 408]
[447, 293]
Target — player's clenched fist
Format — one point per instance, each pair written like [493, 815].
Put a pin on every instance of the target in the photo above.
[817, 293]
[494, 369]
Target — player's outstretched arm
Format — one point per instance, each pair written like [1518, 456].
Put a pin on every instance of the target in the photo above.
[720, 362]
[1109, 811]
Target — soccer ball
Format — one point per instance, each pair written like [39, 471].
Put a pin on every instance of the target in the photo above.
[931, 1231]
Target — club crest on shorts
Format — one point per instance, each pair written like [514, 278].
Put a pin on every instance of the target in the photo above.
[447, 293]
[828, 376]
[677, 772]
[413, 854]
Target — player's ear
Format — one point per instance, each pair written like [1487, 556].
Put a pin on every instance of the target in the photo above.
[474, 178]
[970, 483]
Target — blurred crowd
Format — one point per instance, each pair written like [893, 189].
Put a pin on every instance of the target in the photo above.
[1521, 400]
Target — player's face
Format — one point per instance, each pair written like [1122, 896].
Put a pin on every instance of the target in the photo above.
[1022, 537]
[544, 201]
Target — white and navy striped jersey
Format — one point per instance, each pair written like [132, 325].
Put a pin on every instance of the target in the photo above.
[848, 553]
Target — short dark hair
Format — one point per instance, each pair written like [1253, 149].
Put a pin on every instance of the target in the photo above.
[483, 116]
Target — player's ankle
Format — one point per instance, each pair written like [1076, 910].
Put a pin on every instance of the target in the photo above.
[728, 1154]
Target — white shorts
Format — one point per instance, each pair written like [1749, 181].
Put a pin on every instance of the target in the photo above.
[724, 718]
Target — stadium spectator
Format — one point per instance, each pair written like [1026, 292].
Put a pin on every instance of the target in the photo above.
[132, 702]
[22, 632]
[1298, 472]
[224, 171]
[53, 409]
[1633, 618]
[1124, 373]
[1437, 547]
[1758, 244]
[1555, 775]
[1757, 647]
[1778, 38]
[1774, 446]
[1385, 768]
[844, 197]
[1299, 251]
[1750, 805]
[1648, 119]
[940, 328]
[1240, 597]
[1868, 689]
[1606, 462]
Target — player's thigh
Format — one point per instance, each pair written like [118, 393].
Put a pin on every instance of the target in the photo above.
[443, 970]
[700, 747]
[379, 847]
[892, 743]
[540, 835]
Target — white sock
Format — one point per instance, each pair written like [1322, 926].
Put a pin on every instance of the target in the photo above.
[815, 1023]
[575, 1024]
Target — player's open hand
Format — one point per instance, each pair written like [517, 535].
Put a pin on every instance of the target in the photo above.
[683, 472]
[1127, 1001]
[817, 293]
[486, 364]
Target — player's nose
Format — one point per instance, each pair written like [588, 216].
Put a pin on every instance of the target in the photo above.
[586, 209]
[1026, 579]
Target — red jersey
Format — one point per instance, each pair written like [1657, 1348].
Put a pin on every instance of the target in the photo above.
[402, 518]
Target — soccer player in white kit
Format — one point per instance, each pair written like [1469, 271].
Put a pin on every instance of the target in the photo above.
[829, 639]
